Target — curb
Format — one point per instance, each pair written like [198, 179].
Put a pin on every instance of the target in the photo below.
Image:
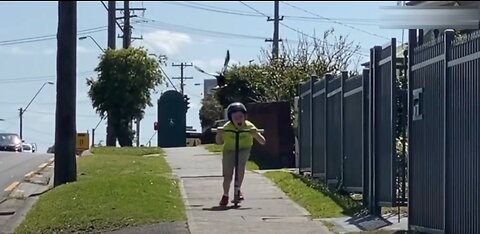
[41, 168]
[29, 175]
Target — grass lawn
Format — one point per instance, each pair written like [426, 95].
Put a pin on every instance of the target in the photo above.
[315, 198]
[116, 187]
[254, 163]
[214, 148]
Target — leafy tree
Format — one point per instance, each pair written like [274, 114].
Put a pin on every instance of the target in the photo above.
[122, 89]
[210, 111]
[278, 80]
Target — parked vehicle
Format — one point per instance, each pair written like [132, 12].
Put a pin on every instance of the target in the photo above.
[10, 142]
[27, 148]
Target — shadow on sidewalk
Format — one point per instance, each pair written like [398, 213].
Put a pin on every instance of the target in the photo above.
[224, 208]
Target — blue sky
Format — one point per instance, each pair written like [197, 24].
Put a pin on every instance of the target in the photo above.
[181, 30]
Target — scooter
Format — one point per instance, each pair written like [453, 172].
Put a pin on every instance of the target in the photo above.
[236, 196]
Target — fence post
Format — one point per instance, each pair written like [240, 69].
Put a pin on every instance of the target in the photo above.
[299, 129]
[448, 38]
[412, 43]
[375, 58]
[365, 131]
[312, 115]
[328, 77]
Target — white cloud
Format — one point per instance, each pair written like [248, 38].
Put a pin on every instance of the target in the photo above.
[83, 50]
[80, 50]
[19, 51]
[49, 51]
[166, 41]
[207, 41]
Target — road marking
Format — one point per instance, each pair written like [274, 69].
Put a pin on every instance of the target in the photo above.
[12, 186]
[43, 165]
[29, 174]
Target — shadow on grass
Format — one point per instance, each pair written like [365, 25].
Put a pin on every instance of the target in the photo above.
[265, 163]
[350, 206]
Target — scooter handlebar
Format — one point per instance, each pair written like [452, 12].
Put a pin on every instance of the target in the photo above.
[217, 129]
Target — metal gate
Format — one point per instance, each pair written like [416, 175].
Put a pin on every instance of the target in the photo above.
[387, 177]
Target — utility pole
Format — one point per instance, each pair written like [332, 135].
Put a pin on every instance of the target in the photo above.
[182, 78]
[65, 122]
[276, 29]
[127, 33]
[112, 20]
[127, 40]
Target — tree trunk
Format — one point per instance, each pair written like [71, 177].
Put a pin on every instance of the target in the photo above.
[111, 137]
[124, 134]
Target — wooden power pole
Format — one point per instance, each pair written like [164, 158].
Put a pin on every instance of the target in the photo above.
[65, 122]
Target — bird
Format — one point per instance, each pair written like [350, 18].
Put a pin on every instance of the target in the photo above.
[219, 76]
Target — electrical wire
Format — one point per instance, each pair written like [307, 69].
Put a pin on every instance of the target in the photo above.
[298, 31]
[335, 21]
[48, 37]
[38, 78]
[159, 24]
[200, 7]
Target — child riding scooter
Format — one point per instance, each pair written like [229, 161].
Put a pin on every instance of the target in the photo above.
[237, 138]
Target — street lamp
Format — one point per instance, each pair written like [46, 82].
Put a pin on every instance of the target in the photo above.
[85, 37]
[22, 110]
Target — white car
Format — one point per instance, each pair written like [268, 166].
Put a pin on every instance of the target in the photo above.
[27, 148]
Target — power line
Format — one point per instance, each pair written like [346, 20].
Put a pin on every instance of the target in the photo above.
[259, 12]
[205, 7]
[48, 37]
[161, 69]
[168, 78]
[53, 113]
[352, 21]
[160, 24]
[211, 9]
[334, 21]
[38, 78]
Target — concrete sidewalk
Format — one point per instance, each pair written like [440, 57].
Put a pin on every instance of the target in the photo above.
[266, 208]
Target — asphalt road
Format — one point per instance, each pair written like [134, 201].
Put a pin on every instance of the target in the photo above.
[14, 167]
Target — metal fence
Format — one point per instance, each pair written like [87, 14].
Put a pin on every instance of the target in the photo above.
[353, 132]
[444, 151]
[332, 116]
[348, 137]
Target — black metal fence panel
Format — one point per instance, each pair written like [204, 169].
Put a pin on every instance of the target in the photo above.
[334, 126]
[443, 143]
[318, 128]
[462, 136]
[426, 137]
[384, 128]
[305, 127]
[353, 133]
